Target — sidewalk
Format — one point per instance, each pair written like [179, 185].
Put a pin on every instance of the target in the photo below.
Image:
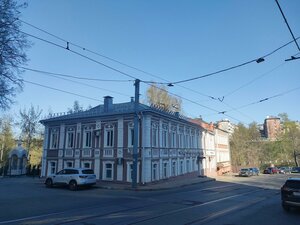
[171, 183]
[174, 182]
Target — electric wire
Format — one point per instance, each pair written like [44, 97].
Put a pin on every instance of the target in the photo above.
[56, 89]
[194, 102]
[72, 76]
[114, 60]
[267, 98]
[81, 83]
[126, 74]
[287, 24]
[79, 54]
[93, 60]
[232, 67]
[135, 68]
[253, 80]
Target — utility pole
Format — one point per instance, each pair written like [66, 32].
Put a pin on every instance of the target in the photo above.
[136, 132]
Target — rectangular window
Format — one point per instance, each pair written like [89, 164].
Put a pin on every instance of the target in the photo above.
[173, 169]
[193, 141]
[87, 139]
[186, 141]
[130, 137]
[165, 170]
[180, 141]
[154, 137]
[108, 171]
[109, 140]
[70, 139]
[181, 167]
[164, 139]
[173, 137]
[86, 165]
[154, 172]
[52, 167]
[69, 164]
[54, 139]
[188, 166]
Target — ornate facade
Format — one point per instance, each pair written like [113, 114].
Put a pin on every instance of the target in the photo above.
[102, 139]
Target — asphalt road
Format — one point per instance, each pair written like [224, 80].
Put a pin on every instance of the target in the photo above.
[227, 201]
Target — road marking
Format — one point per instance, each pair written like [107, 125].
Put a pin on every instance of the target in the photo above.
[195, 206]
[30, 218]
[211, 188]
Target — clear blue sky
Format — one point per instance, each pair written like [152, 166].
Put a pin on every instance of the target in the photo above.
[171, 39]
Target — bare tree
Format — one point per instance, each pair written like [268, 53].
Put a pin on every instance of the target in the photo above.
[158, 95]
[13, 44]
[76, 107]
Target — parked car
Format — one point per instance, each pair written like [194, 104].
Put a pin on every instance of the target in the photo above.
[72, 178]
[245, 172]
[290, 193]
[295, 170]
[271, 170]
[285, 169]
[254, 171]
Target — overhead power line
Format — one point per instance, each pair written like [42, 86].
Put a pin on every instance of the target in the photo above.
[93, 60]
[285, 20]
[56, 89]
[257, 60]
[268, 98]
[72, 76]
[253, 80]
[113, 60]
[77, 82]
[79, 54]
[194, 102]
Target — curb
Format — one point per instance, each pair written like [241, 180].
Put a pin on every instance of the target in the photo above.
[154, 189]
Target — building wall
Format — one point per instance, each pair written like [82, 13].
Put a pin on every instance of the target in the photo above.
[86, 143]
[222, 151]
[272, 127]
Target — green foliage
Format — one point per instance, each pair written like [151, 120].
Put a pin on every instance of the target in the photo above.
[244, 145]
[249, 149]
[7, 141]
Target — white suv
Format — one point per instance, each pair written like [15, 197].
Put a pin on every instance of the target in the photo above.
[72, 177]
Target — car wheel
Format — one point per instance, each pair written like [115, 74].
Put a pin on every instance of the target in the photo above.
[73, 185]
[49, 183]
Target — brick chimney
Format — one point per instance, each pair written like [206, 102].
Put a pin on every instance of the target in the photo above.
[108, 103]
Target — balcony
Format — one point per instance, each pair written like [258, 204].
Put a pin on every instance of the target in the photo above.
[108, 152]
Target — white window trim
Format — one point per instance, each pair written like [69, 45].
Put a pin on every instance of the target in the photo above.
[54, 131]
[67, 139]
[86, 161]
[104, 170]
[175, 167]
[66, 164]
[49, 171]
[154, 127]
[130, 138]
[167, 170]
[87, 130]
[164, 138]
[107, 129]
[157, 171]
